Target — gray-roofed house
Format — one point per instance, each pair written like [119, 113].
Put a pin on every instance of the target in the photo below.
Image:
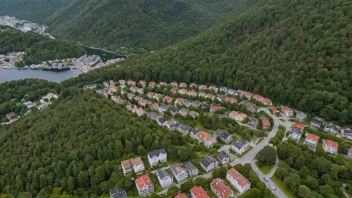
[156, 156]
[232, 92]
[93, 86]
[194, 133]
[316, 122]
[174, 126]
[204, 105]
[223, 157]
[209, 163]
[187, 103]
[331, 128]
[164, 178]
[173, 110]
[295, 134]
[191, 168]
[162, 108]
[223, 135]
[153, 115]
[240, 146]
[161, 121]
[251, 107]
[253, 122]
[118, 193]
[223, 89]
[179, 172]
[184, 129]
[347, 133]
[300, 116]
[195, 103]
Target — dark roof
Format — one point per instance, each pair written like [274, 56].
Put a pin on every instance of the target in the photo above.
[347, 130]
[204, 105]
[152, 114]
[232, 90]
[222, 134]
[195, 131]
[162, 173]
[90, 86]
[173, 108]
[221, 155]
[184, 127]
[240, 143]
[253, 120]
[162, 120]
[156, 152]
[296, 130]
[189, 166]
[206, 161]
[118, 193]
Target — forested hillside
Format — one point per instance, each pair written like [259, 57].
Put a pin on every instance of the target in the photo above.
[296, 52]
[139, 24]
[32, 10]
[38, 48]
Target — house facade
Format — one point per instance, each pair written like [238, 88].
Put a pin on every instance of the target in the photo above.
[154, 157]
[238, 180]
[164, 178]
[223, 157]
[179, 172]
[138, 165]
[240, 146]
[144, 185]
[191, 168]
[330, 146]
[311, 140]
[220, 189]
[209, 163]
[127, 167]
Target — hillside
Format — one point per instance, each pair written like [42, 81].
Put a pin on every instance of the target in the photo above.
[38, 48]
[138, 24]
[296, 52]
[32, 10]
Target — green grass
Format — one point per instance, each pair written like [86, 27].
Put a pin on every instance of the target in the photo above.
[280, 184]
[264, 169]
[260, 140]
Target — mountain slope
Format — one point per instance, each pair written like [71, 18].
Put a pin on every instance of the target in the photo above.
[32, 10]
[296, 52]
[139, 24]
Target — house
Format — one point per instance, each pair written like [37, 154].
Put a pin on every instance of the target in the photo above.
[192, 93]
[122, 82]
[127, 167]
[29, 104]
[274, 110]
[143, 83]
[233, 115]
[155, 106]
[187, 103]
[316, 122]
[171, 124]
[156, 156]
[173, 110]
[203, 87]
[157, 97]
[183, 112]
[193, 114]
[253, 122]
[168, 99]
[183, 85]
[174, 126]
[331, 128]
[161, 121]
[330, 146]
[151, 84]
[140, 90]
[238, 180]
[139, 111]
[150, 95]
[240, 146]
[213, 88]
[208, 163]
[248, 95]
[241, 117]
[174, 84]
[210, 96]
[179, 101]
[180, 173]
[347, 133]
[349, 153]
[223, 135]
[223, 89]
[266, 101]
[298, 125]
[118, 193]
[266, 124]
[144, 185]
[232, 92]
[183, 91]
[174, 90]
[162, 108]
[202, 94]
[209, 141]
[11, 115]
[295, 134]
[164, 178]
[230, 100]
[131, 82]
[220, 98]
[143, 102]
[191, 168]
[163, 84]
[204, 106]
[258, 98]
[152, 115]
[198, 192]
[219, 187]
[138, 165]
[300, 116]
[311, 140]
[93, 86]
[193, 85]
[184, 129]
[287, 111]
[204, 137]
[214, 108]
[130, 96]
[194, 133]
[251, 107]
[223, 157]
[181, 195]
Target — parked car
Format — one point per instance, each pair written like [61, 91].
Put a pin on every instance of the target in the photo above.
[265, 179]
[272, 187]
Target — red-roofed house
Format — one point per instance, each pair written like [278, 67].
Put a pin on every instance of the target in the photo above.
[219, 187]
[167, 99]
[238, 180]
[157, 97]
[138, 165]
[214, 108]
[266, 124]
[287, 111]
[192, 93]
[298, 125]
[151, 84]
[233, 115]
[274, 110]
[203, 87]
[230, 100]
[126, 167]
[330, 146]
[266, 101]
[193, 85]
[162, 83]
[150, 95]
[142, 102]
[210, 96]
[139, 111]
[241, 117]
[209, 141]
[182, 195]
[213, 88]
[142, 83]
[183, 85]
[144, 185]
[198, 192]
[182, 91]
[174, 84]
[155, 106]
[122, 82]
[174, 90]
[131, 82]
[258, 98]
[311, 140]
[193, 114]
[248, 95]
[179, 101]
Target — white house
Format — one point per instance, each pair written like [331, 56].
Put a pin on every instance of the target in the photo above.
[127, 167]
[144, 185]
[165, 179]
[138, 165]
[311, 140]
[191, 168]
[154, 157]
[240, 146]
[330, 146]
[295, 134]
[180, 173]
[238, 180]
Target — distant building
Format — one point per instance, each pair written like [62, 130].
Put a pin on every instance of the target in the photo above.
[238, 180]
[198, 192]
[93, 86]
[331, 128]
[316, 122]
[266, 124]
[180, 173]
[209, 163]
[191, 168]
[144, 185]
[295, 134]
[127, 167]
[311, 140]
[301, 116]
[223, 157]
[138, 165]
[330, 146]
[287, 111]
[240, 146]
[253, 122]
[223, 135]
[154, 157]
[221, 190]
[118, 193]
[347, 133]
[164, 178]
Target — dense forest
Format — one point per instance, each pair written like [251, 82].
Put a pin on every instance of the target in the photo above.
[139, 24]
[38, 48]
[32, 10]
[295, 52]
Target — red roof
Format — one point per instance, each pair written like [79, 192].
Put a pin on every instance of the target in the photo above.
[233, 114]
[202, 134]
[258, 97]
[248, 95]
[163, 83]
[266, 101]
[182, 84]
[192, 92]
[215, 108]
[331, 143]
[182, 195]
[199, 192]
[286, 108]
[242, 181]
[266, 122]
[273, 109]
[143, 181]
[137, 161]
[298, 125]
[243, 115]
[313, 137]
[126, 163]
[220, 187]
[212, 87]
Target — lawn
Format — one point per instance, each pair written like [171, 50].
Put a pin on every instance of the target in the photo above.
[260, 140]
[283, 187]
[265, 169]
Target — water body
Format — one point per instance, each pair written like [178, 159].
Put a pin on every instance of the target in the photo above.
[54, 76]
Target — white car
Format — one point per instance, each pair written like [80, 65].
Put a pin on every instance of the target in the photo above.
[272, 187]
